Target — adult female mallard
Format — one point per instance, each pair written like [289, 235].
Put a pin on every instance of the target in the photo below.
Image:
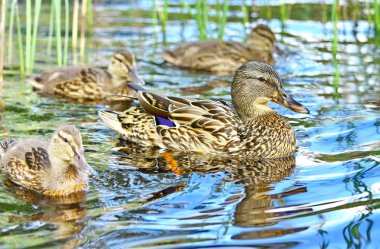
[248, 127]
[54, 168]
[86, 84]
[223, 57]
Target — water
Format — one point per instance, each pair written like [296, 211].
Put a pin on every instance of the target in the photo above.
[328, 196]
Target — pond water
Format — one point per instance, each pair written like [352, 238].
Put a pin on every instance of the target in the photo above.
[328, 196]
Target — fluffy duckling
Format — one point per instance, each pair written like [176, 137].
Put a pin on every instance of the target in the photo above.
[54, 168]
[86, 84]
[247, 127]
[222, 57]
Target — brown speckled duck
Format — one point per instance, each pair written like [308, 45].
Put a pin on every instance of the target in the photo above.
[86, 84]
[54, 168]
[221, 57]
[248, 127]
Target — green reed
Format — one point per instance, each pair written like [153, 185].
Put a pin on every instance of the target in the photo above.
[20, 42]
[67, 29]
[3, 10]
[334, 48]
[51, 30]
[377, 16]
[37, 10]
[10, 31]
[201, 15]
[223, 20]
[58, 35]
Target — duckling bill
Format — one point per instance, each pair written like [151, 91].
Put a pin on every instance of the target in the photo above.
[247, 127]
[54, 168]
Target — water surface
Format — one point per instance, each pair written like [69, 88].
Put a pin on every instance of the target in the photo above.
[327, 196]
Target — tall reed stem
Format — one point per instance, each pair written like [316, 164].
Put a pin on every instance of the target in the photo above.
[334, 49]
[10, 32]
[74, 30]
[37, 10]
[20, 43]
[224, 19]
[28, 37]
[58, 35]
[3, 10]
[377, 16]
[83, 23]
[67, 23]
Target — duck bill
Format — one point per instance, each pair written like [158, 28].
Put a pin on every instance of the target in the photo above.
[135, 77]
[287, 101]
[85, 167]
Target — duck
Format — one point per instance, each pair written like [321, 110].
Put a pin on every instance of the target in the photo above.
[222, 57]
[247, 127]
[90, 84]
[52, 168]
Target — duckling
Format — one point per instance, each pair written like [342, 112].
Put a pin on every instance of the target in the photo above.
[87, 84]
[248, 127]
[53, 168]
[222, 57]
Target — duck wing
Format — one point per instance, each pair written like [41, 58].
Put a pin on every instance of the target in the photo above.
[26, 167]
[213, 56]
[198, 125]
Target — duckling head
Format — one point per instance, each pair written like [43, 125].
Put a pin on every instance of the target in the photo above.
[262, 38]
[255, 84]
[66, 152]
[123, 68]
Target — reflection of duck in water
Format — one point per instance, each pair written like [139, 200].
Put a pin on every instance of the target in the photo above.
[252, 211]
[248, 129]
[256, 176]
[64, 212]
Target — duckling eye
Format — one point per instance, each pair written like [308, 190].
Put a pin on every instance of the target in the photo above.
[65, 140]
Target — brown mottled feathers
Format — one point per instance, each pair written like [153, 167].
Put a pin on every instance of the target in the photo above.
[28, 172]
[213, 56]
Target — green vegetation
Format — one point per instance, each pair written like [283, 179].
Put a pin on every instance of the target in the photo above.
[73, 22]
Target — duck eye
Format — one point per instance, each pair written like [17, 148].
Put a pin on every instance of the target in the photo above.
[65, 139]
[262, 79]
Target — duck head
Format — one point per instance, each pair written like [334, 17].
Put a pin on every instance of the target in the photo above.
[123, 68]
[254, 85]
[66, 151]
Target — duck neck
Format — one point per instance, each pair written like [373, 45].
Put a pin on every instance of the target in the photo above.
[118, 81]
[249, 107]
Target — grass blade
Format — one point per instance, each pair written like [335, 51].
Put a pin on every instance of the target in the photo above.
[10, 32]
[37, 10]
[20, 43]
[57, 15]
[3, 7]
[224, 19]
[67, 24]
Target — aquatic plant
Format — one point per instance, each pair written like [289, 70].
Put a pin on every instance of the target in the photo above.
[2, 35]
[334, 48]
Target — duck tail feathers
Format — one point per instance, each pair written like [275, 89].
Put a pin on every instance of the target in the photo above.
[111, 120]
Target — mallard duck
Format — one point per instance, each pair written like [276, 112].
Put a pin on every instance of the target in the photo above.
[224, 57]
[54, 168]
[247, 127]
[86, 84]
